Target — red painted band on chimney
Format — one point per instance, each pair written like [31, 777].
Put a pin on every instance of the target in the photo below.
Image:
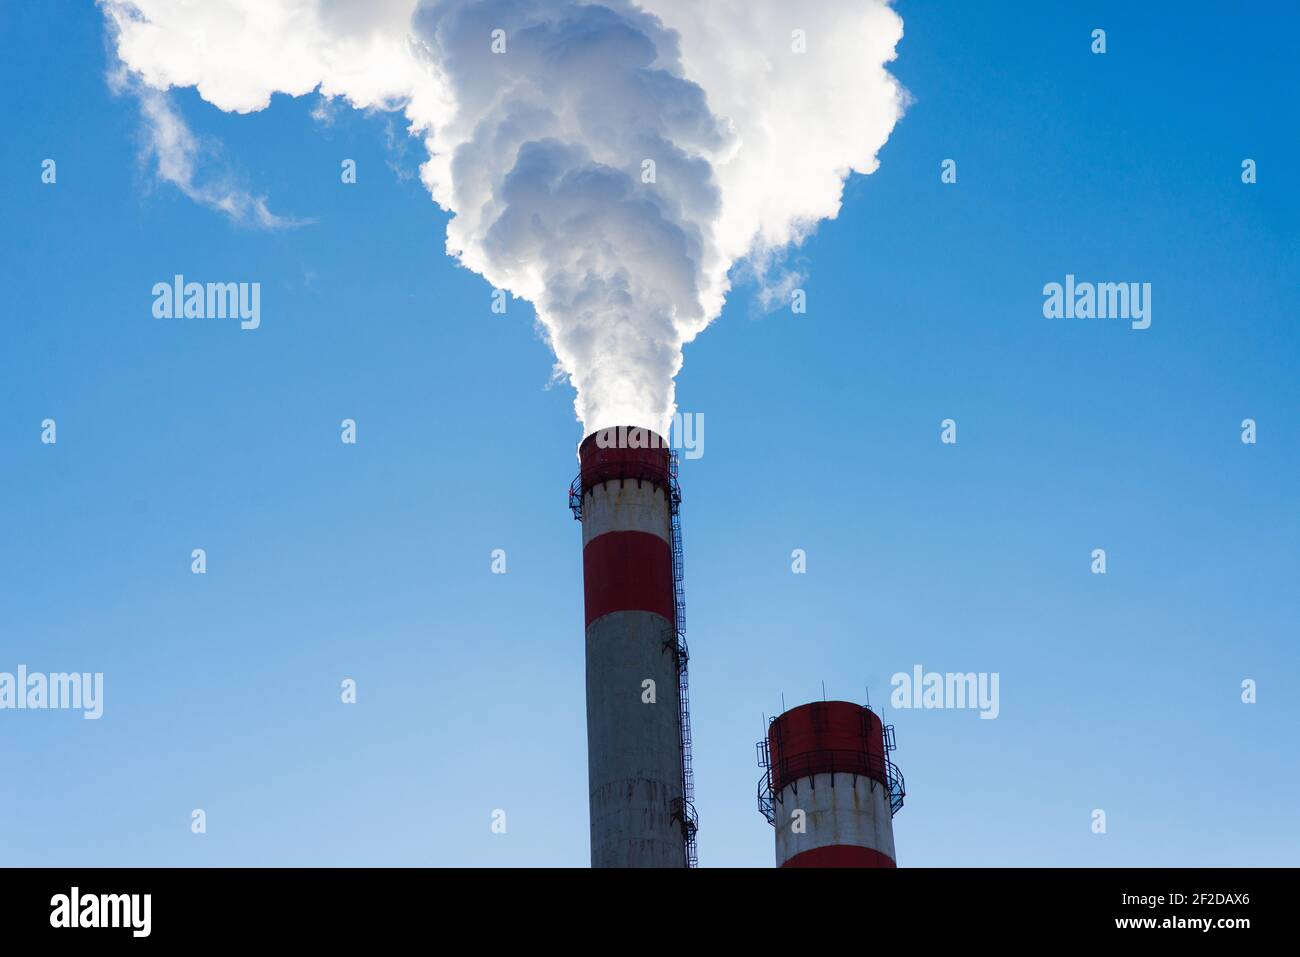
[840, 855]
[612, 461]
[627, 571]
[826, 737]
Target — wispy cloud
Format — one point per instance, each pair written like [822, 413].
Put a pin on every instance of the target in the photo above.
[174, 152]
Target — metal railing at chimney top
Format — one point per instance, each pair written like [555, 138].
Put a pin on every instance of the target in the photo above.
[665, 478]
[859, 763]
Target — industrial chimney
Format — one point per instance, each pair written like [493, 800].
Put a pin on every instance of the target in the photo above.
[830, 789]
[638, 720]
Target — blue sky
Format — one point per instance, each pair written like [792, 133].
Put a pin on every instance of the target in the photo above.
[326, 561]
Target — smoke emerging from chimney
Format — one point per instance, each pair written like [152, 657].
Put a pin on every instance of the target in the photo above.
[609, 162]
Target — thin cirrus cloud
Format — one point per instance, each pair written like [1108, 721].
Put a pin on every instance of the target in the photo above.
[609, 162]
[174, 150]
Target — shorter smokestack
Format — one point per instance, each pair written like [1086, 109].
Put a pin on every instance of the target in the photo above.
[830, 789]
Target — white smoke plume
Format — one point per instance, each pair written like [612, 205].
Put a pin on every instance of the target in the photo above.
[608, 161]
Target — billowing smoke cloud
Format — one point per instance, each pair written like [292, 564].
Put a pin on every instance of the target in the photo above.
[608, 161]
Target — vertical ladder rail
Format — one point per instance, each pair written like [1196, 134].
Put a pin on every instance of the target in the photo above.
[689, 821]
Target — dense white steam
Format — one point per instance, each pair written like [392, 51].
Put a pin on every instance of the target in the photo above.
[608, 161]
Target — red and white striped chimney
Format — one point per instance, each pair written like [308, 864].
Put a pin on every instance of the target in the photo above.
[625, 496]
[830, 789]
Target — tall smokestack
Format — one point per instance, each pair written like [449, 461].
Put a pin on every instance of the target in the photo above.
[638, 724]
[830, 789]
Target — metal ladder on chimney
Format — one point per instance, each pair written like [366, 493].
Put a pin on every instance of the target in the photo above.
[683, 808]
